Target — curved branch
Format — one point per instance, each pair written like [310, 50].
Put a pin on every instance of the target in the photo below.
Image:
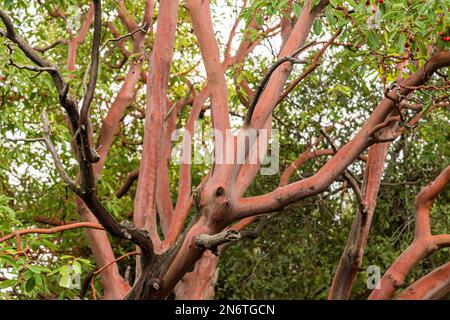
[157, 87]
[131, 177]
[46, 132]
[95, 56]
[319, 182]
[433, 286]
[203, 28]
[290, 58]
[311, 67]
[50, 46]
[52, 230]
[424, 242]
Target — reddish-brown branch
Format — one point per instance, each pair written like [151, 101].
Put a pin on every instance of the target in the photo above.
[284, 180]
[310, 68]
[184, 181]
[281, 197]
[424, 242]
[302, 158]
[233, 31]
[157, 87]
[267, 101]
[351, 258]
[249, 169]
[164, 203]
[113, 284]
[286, 22]
[127, 19]
[184, 199]
[218, 91]
[52, 230]
[76, 40]
[433, 286]
[131, 177]
[100, 270]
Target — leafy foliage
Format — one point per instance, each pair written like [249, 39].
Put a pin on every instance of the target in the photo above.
[300, 248]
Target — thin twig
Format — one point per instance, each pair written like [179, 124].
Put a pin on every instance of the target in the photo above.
[347, 175]
[291, 58]
[46, 132]
[66, 227]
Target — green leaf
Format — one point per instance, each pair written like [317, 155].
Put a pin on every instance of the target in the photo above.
[373, 41]
[31, 283]
[297, 9]
[7, 283]
[317, 27]
[49, 244]
[401, 43]
[10, 260]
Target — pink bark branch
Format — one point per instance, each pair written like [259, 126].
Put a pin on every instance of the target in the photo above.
[297, 163]
[203, 28]
[352, 256]
[424, 243]
[297, 38]
[184, 180]
[157, 87]
[127, 19]
[75, 40]
[283, 196]
[286, 22]
[233, 32]
[65, 227]
[113, 284]
[433, 286]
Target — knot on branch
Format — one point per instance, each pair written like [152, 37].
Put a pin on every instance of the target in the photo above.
[154, 283]
[127, 226]
[211, 242]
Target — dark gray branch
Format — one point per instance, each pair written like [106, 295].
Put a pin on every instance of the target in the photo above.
[292, 58]
[50, 46]
[89, 95]
[95, 55]
[211, 242]
[348, 176]
[79, 124]
[131, 177]
[144, 29]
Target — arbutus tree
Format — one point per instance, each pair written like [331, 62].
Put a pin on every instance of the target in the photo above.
[177, 240]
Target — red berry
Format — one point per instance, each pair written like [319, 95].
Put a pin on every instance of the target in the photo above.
[446, 39]
[266, 18]
[367, 2]
[380, 1]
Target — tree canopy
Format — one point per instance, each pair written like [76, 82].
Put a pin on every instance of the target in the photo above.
[97, 98]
